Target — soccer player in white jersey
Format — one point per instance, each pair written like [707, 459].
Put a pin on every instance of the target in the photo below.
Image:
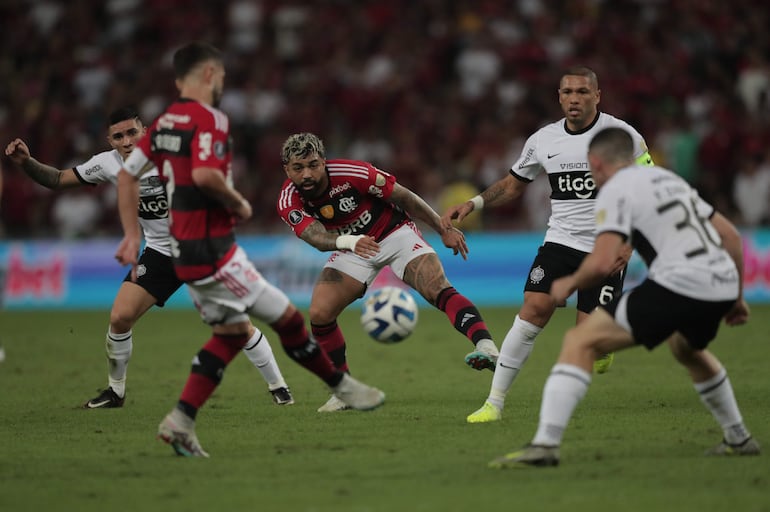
[695, 274]
[560, 150]
[156, 280]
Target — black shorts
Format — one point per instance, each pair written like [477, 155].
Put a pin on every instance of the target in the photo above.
[554, 261]
[653, 313]
[155, 273]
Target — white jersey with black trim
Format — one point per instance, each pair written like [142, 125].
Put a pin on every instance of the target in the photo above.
[564, 156]
[153, 204]
[667, 223]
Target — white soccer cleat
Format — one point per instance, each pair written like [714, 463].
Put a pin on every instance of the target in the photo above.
[484, 357]
[181, 438]
[334, 404]
[358, 395]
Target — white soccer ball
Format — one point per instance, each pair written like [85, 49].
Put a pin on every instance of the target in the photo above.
[389, 314]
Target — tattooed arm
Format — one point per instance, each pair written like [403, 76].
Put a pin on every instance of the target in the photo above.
[503, 191]
[416, 207]
[317, 236]
[499, 193]
[49, 177]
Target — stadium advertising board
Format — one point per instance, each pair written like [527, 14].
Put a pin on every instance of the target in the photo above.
[51, 274]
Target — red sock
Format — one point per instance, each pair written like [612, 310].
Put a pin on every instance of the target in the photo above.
[303, 349]
[463, 315]
[208, 368]
[330, 338]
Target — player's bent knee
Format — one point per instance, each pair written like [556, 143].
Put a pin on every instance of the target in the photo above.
[579, 344]
[320, 316]
[537, 308]
[683, 352]
[122, 320]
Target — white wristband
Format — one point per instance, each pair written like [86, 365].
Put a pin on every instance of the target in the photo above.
[478, 202]
[348, 242]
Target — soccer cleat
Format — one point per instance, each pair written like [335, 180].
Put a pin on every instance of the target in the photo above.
[282, 396]
[334, 404]
[484, 357]
[528, 457]
[749, 447]
[487, 414]
[107, 399]
[358, 395]
[182, 440]
[602, 365]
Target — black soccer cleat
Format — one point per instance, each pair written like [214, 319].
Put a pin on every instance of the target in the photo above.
[282, 396]
[107, 399]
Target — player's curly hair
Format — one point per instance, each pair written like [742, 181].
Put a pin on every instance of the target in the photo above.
[301, 145]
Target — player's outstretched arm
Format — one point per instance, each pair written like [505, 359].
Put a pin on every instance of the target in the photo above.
[499, 193]
[45, 175]
[733, 244]
[594, 268]
[418, 208]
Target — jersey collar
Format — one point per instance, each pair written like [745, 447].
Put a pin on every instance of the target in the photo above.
[578, 132]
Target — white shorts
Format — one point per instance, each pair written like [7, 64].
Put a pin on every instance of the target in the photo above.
[397, 249]
[236, 291]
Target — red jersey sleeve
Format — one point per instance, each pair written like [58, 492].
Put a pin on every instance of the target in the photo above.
[291, 209]
[145, 143]
[209, 145]
[381, 183]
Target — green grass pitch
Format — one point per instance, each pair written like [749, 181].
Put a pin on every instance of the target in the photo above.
[634, 444]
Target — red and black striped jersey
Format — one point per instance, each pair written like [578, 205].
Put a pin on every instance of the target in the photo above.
[355, 203]
[190, 135]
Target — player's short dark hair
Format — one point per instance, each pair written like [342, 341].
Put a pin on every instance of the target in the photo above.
[124, 113]
[302, 145]
[189, 56]
[584, 71]
[614, 144]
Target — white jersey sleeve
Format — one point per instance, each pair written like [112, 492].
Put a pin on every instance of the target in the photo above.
[135, 162]
[527, 167]
[100, 168]
[668, 224]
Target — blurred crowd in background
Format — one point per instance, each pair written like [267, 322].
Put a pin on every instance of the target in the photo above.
[440, 93]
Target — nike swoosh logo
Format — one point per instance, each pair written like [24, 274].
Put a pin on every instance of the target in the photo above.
[551, 156]
[506, 366]
[96, 405]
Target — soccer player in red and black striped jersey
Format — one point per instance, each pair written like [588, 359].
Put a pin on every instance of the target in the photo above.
[190, 144]
[365, 216]
[157, 281]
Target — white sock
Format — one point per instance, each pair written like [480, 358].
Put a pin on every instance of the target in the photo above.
[119, 347]
[718, 397]
[259, 352]
[517, 346]
[566, 386]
